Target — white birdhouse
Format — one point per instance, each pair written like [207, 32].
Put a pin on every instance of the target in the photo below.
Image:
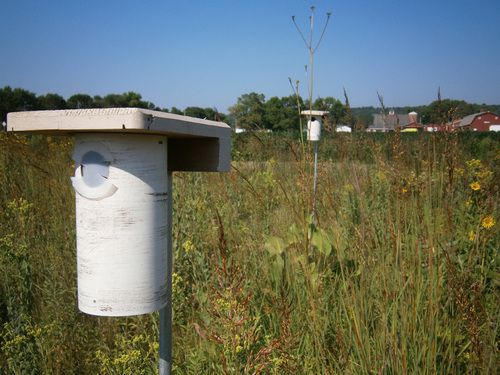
[313, 129]
[313, 124]
[122, 190]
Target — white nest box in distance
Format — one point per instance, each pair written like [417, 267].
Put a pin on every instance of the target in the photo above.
[313, 124]
[122, 156]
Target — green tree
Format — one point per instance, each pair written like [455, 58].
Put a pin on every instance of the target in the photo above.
[176, 111]
[281, 114]
[248, 111]
[51, 101]
[335, 108]
[446, 110]
[364, 115]
[113, 100]
[211, 114]
[364, 119]
[134, 99]
[97, 101]
[12, 100]
[80, 101]
[127, 99]
[195, 112]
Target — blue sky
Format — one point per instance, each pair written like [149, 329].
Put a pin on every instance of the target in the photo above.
[207, 53]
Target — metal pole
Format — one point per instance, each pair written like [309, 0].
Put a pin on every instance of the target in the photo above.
[315, 185]
[315, 182]
[165, 365]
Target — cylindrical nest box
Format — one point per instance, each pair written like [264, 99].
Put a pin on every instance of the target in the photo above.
[313, 124]
[313, 129]
[123, 157]
[121, 223]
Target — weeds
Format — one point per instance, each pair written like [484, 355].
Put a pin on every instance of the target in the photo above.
[402, 276]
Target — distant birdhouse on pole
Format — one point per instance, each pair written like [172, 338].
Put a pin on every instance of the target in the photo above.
[314, 124]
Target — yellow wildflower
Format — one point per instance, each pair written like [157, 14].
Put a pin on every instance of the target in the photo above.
[484, 174]
[188, 246]
[20, 205]
[472, 235]
[475, 186]
[349, 188]
[176, 283]
[468, 202]
[488, 222]
[474, 163]
[380, 175]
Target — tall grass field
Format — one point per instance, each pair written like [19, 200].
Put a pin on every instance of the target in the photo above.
[398, 274]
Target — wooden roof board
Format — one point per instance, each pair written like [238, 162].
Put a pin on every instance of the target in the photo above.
[125, 120]
[313, 113]
[194, 144]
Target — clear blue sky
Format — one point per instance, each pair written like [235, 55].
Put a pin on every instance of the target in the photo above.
[208, 52]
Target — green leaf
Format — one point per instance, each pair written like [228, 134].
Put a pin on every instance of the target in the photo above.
[294, 235]
[275, 245]
[277, 267]
[322, 242]
[313, 275]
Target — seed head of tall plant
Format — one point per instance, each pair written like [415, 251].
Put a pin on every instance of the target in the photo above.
[311, 46]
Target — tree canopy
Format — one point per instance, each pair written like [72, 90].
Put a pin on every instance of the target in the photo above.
[282, 113]
[12, 100]
[251, 110]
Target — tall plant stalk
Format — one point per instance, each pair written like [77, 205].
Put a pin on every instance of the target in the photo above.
[311, 48]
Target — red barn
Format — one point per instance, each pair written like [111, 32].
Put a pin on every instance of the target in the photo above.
[480, 122]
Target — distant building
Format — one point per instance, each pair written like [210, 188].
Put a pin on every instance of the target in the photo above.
[413, 125]
[436, 128]
[478, 122]
[393, 121]
[343, 129]
[482, 122]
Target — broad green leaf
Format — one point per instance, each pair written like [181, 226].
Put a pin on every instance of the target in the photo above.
[275, 245]
[322, 242]
[294, 235]
[277, 267]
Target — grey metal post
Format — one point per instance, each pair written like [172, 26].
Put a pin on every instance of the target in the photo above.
[315, 182]
[165, 365]
[315, 186]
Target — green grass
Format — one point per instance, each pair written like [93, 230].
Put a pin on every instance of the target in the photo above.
[402, 277]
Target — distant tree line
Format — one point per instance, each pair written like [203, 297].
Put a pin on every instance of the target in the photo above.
[251, 110]
[17, 99]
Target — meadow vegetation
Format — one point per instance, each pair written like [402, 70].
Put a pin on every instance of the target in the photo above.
[402, 276]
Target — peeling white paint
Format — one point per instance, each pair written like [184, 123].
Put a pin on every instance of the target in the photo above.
[122, 238]
[313, 130]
